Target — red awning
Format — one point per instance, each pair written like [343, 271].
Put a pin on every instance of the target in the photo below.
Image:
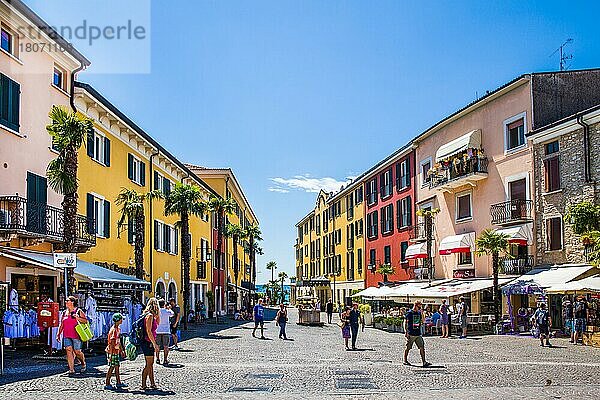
[415, 251]
[521, 235]
[464, 243]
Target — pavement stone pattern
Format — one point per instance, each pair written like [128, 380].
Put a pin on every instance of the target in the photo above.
[226, 362]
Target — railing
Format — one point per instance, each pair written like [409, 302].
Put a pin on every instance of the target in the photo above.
[511, 211]
[17, 215]
[516, 266]
[417, 232]
[462, 170]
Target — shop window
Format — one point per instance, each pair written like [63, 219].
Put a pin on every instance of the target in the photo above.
[554, 233]
[465, 258]
[463, 206]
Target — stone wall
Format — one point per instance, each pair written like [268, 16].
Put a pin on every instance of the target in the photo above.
[573, 190]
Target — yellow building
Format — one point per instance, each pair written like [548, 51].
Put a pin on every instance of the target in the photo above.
[330, 259]
[122, 155]
[224, 182]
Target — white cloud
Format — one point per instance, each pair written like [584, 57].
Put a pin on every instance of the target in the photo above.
[307, 183]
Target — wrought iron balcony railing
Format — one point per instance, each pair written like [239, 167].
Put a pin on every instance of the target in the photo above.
[511, 212]
[454, 174]
[417, 232]
[516, 266]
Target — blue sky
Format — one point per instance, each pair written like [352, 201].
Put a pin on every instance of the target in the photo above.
[298, 95]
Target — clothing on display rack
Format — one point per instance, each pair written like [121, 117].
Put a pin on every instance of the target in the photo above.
[13, 301]
[20, 324]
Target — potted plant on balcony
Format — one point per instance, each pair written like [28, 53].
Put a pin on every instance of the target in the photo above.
[385, 270]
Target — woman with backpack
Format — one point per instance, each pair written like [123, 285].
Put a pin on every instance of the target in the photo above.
[72, 343]
[148, 344]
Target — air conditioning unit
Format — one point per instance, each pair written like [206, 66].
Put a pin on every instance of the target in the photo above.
[4, 218]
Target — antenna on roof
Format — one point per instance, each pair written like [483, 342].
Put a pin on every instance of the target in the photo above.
[563, 57]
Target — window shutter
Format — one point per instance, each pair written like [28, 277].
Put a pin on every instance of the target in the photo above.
[3, 99]
[176, 241]
[375, 221]
[90, 144]
[408, 211]
[156, 181]
[391, 216]
[106, 219]
[91, 224]
[156, 233]
[381, 183]
[106, 152]
[14, 95]
[130, 166]
[407, 173]
[143, 174]
[129, 230]
[166, 186]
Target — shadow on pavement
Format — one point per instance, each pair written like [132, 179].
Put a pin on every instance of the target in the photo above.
[156, 392]
[173, 365]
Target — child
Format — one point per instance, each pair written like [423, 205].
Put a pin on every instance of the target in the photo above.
[114, 351]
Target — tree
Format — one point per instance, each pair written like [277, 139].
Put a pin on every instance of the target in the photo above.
[69, 130]
[584, 218]
[133, 217]
[272, 266]
[185, 201]
[253, 234]
[237, 234]
[493, 243]
[220, 207]
[282, 277]
[385, 270]
[428, 216]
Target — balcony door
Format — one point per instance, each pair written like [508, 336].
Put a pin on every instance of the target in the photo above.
[37, 190]
[517, 192]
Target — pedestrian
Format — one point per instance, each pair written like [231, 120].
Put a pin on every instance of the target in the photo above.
[580, 310]
[148, 345]
[281, 320]
[202, 312]
[175, 322]
[259, 318]
[345, 325]
[462, 309]
[163, 331]
[412, 331]
[543, 321]
[568, 317]
[354, 319]
[114, 351]
[329, 310]
[444, 318]
[72, 316]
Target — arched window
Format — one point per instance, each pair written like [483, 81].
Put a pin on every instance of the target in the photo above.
[172, 291]
[160, 289]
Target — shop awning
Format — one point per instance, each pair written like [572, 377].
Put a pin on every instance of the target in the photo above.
[418, 250]
[368, 292]
[458, 287]
[585, 285]
[471, 140]
[316, 281]
[521, 235]
[557, 275]
[84, 271]
[464, 243]
[241, 288]
[383, 292]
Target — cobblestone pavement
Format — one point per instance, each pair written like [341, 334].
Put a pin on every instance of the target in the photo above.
[226, 362]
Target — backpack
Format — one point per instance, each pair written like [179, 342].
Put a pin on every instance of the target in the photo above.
[138, 331]
[579, 307]
[542, 317]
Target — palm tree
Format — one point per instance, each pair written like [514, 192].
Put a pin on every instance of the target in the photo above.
[272, 266]
[185, 201]
[493, 243]
[282, 277]
[253, 234]
[69, 130]
[220, 207]
[237, 234]
[133, 216]
[385, 270]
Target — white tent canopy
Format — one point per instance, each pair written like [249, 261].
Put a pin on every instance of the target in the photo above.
[464, 243]
[590, 284]
[418, 250]
[550, 277]
[368, 292]
[522, 234]
[471, 140]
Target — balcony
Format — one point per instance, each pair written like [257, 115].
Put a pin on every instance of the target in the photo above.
[511, 212]
[456, 175]
[21, 218]
[516, 266]
[417, 232]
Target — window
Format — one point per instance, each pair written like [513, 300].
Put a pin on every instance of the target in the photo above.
[136, 170]
[386, 183]
[425, 167]
[325, 221]
[166, 238]
[372, 222]
[465, 258]
[58, 78]
[514, 130]
[403, 247]
[463, 206]
[338, 208]
[98, 148]
[338, 236]
[554, 233]
[98, 213]
[387, 255]
[359, 261]
[162, 184]
[305, 250]
[552, 166]
[372, 192]
[404, 212]
[350, 265]
[8, 41]
[318, 224]
[372, 257]
[403, 175]
[387, 218]
[358, 194]
[10, 95]
[358, 227]
[312, 223]
[325, 245]
[318, 246]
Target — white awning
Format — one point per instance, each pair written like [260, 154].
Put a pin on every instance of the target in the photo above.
[458, 287]
[586, 285]
[464, 243]
[411, 288]
[554, 276]
[467, 141]
[368, 292]
[418, 250]
[521, 235]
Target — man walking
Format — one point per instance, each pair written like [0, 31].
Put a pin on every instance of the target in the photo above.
[259, 318]
[174, 322]
[329, 310]
[543, 321]
[580, 310]
[412, 328]
[462, 310]
[354, 319]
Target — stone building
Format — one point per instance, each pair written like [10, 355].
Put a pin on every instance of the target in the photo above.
[567, 171]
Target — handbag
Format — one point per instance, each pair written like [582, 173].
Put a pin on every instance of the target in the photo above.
[84, 331]
[341, 324]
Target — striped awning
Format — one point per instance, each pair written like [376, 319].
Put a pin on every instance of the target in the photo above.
[464, 243]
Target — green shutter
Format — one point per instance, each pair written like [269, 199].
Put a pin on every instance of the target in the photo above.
[91, 224]
[156, 233]
[106, 152]
[130, 166]
[4, 99]
[156, 180]
[166, 238]
[166, 187]
[90, 144]
[176, 241]
[106, 219]
[408, 211]
[143, 173]
[13, 116]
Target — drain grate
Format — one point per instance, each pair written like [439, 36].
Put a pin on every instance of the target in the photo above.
[264, 376]
[351, 372]
[250, 389]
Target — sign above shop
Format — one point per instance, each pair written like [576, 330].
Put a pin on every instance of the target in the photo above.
[463, 273]
[65, 260]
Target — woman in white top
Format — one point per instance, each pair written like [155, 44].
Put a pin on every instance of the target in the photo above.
[163, 331]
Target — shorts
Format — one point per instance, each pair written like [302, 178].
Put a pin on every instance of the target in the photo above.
[579, 325]
[147, 348]
[113, 360]
[463, 321]
[543, 329]
[412, 339]
[260, 322]
[74, 343]
[173, 330]
[163, 340]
